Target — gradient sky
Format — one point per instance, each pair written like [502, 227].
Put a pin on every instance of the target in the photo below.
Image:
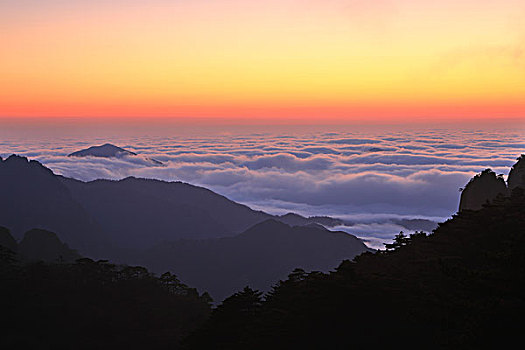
[347, 59]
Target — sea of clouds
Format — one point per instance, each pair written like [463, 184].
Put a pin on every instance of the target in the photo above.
[367, 176]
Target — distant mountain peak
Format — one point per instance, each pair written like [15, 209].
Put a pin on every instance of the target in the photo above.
[106, 150]
[16, 158]
[109, 150]
[292, 215]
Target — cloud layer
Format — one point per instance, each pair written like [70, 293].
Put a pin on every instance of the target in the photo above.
[365, 176]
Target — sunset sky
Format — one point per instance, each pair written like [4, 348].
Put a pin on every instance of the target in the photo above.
[341, 59]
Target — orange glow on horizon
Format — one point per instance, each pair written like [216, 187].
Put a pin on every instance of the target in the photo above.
[342, 60]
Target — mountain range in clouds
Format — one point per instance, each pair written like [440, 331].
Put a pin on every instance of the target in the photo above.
[130, 213]
[111, 151]
[167, 226]
[208, 240]
[369, 177]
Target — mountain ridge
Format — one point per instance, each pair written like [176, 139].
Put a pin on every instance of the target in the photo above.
[133, 219]
[259, 256]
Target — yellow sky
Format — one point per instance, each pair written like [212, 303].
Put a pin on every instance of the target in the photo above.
[287, 58]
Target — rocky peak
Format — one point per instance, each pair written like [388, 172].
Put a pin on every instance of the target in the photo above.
[6, 240]
[481, 189]
[44, 245]
[517, 174]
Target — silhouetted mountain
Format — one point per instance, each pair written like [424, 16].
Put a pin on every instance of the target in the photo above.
[486, 186]
[482, 189]
[7, 241]
[38, 245]
[258, 257]
[42, 245]
[106, 151]
[111, 151]
[463, 287]
[138, 213]
[128, 216]
[32, 196]
[100, 216]
[517, 174]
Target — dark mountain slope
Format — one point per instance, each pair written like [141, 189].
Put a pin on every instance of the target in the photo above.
[100, 216]
[33, 197]
[7, 241]
[462, 287]
[143, 212]
[95, 305]
[259, 257]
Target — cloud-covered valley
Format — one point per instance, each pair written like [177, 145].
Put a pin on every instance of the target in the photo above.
[365, 177]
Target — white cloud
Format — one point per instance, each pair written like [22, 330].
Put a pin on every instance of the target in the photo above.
[338, 173]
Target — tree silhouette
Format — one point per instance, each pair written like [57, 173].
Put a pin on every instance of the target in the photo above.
[400, 240]
[461, 287]
[233, 318]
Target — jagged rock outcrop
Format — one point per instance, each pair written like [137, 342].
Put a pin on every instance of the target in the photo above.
[517, 174]
[6, 240]
[486, 186]
[42, 245]
[38, 245]
[481, 189]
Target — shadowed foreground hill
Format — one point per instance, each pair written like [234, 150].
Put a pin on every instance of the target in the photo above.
[33, 197]
[94, 305]
[142, 212]
[461, 287]
[100, 217]
[131, 220]
[259, 257]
